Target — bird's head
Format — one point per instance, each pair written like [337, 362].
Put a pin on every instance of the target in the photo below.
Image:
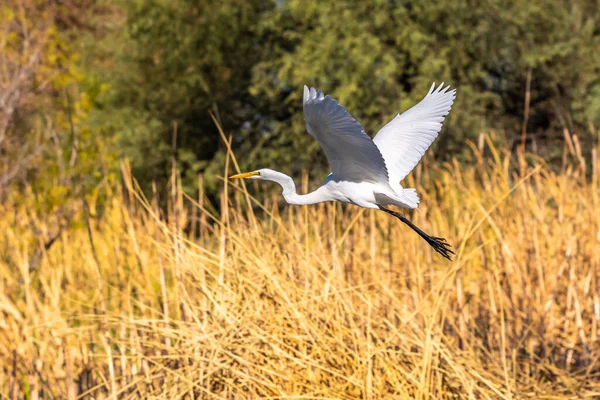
[264, 174]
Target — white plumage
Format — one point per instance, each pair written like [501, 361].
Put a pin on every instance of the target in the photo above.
[364, 171]
[352, 154]
[404, 139]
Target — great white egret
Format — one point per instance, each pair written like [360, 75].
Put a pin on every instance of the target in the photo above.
[367, 172]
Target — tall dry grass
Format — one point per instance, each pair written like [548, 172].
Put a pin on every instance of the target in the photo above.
[316, 302]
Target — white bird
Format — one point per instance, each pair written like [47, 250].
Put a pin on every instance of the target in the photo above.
[367, 172]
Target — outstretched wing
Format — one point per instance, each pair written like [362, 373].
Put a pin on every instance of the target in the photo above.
[351, 153]
[404, 140]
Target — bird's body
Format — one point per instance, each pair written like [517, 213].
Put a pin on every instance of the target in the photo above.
[367, 172]
[362, 194]
[365, 194]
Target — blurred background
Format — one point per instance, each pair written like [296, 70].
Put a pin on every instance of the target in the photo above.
[130, 269]
[88, 83]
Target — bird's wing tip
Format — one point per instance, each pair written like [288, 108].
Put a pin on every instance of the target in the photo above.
[431, 89]
[441, 89]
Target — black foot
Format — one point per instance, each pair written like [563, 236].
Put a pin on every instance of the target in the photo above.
[440, 245]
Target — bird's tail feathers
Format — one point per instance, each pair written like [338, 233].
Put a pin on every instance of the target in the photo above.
[411, 197]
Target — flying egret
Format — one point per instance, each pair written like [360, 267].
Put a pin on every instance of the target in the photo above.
[367, 172]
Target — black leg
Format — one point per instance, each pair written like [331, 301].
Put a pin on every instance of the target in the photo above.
[439, 244]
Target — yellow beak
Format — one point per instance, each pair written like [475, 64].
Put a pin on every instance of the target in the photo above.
[245, 175]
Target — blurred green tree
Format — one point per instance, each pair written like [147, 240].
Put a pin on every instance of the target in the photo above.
[51, 159]
[173, 61]
[168, 65]
[379, 58]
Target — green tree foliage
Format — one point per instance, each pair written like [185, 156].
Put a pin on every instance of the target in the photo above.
[247, 61]
[167, 63]
[175, 61]
[380, 57]
[50, 157]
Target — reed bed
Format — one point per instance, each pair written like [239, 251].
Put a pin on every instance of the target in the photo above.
[315, 302]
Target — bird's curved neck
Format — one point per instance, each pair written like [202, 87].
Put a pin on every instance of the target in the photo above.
[289, 191]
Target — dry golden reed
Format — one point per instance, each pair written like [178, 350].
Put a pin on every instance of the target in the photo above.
[315, 302]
